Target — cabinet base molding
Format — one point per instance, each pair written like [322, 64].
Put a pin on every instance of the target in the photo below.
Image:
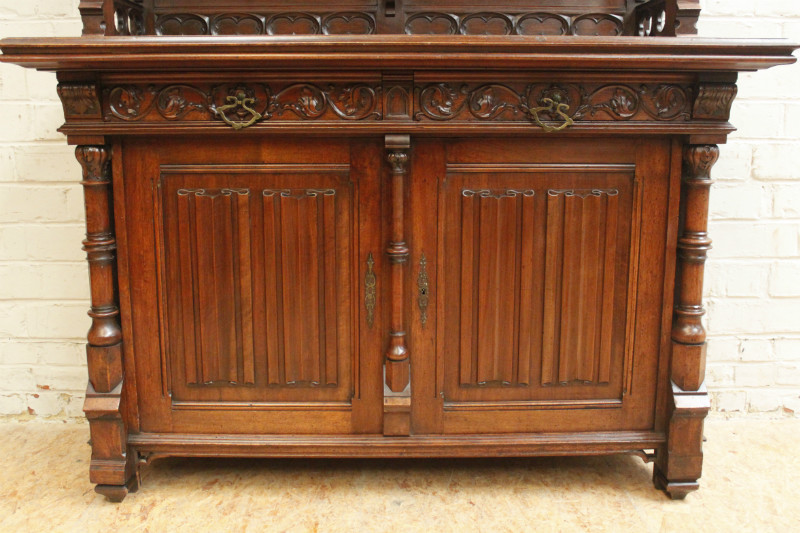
[160, 445]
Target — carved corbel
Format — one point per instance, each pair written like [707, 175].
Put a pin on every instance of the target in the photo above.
[80, 101]
[714, 101]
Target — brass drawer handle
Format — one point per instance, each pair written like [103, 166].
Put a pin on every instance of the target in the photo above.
[551, 106]
[240, 100]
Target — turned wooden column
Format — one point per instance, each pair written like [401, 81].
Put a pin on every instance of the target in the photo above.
[397, 357]
[397, 370]
[679, 462]
[111, 467]
[688, 333]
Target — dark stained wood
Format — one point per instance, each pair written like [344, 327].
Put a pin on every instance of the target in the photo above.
[113, 465]
[397, 355]
[357, 53]
[408, 228]
[687, 17]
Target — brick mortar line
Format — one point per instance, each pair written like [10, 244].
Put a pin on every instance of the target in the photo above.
[64, 224]
[40, 366]
[25, 340]
[54, 301]
[43, 184]
[54, 262]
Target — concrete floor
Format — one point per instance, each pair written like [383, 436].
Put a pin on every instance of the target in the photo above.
[750, 484]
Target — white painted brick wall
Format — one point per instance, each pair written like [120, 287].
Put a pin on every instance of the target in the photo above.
[753, 274]
[43, 279]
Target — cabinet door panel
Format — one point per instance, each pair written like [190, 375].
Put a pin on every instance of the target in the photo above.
[544, 262]
[258, 282]
[538, 260]
[253, 269]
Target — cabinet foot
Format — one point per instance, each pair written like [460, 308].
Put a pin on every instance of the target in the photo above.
[117, 493]
[676, 490]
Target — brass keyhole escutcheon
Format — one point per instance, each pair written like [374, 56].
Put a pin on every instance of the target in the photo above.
[423, 290]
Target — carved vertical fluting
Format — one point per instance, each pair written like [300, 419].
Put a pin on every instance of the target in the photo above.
[112, 468]
[397, 357]
[679, 461]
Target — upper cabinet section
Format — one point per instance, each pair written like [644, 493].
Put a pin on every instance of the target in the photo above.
[366, 17]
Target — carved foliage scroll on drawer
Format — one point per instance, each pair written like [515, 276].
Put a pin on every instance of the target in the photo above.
[243, 102]
[508, 102]
[550, 106]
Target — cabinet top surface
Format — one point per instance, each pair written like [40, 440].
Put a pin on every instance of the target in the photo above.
[397, 52]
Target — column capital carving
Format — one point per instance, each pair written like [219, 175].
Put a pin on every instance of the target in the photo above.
[95, 162]
[698, 160]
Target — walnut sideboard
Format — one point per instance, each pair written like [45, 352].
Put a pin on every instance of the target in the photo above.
[421, 230]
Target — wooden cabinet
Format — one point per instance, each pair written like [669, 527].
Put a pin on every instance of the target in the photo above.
[447, 242]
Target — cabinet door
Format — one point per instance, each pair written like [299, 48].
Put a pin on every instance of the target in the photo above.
[545, 274]
[246, 265]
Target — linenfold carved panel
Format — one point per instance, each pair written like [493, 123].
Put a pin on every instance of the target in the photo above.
[580, 276]
[255, 292]
[543, 258]
[215, 260]
[300, 241]
[493, 225]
